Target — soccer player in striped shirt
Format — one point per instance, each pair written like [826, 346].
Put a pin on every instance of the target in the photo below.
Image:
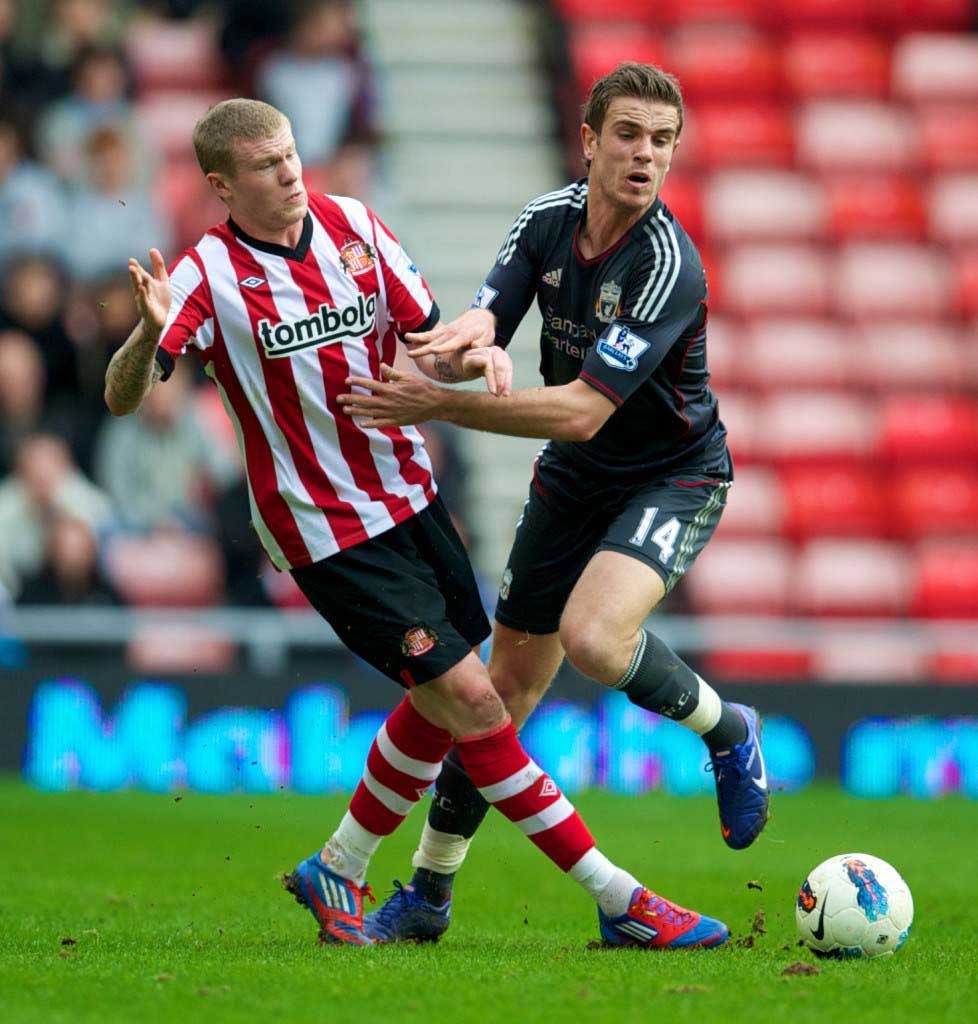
[633, 481]
[282, 303]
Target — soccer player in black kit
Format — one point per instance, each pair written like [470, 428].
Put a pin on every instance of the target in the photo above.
[633, 480]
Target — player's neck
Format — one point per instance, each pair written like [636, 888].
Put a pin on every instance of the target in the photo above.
[605, 225]
[288, 237]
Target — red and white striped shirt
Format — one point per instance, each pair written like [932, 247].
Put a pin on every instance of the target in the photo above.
[279, 331]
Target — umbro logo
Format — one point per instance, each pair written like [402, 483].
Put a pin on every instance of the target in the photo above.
[548, 788]
[252, 282]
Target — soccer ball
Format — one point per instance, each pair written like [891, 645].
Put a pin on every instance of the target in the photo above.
[854, 905]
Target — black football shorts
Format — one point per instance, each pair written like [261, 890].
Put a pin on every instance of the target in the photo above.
[664, 522]
[406, 601]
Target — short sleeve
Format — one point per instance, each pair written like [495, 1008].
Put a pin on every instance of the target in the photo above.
[510, 285]
[190, 320]
[410, 304]
[664, 297]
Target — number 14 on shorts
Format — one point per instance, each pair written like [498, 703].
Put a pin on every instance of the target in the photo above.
[664, 537]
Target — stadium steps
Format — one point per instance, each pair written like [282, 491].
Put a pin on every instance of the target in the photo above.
[469, 137]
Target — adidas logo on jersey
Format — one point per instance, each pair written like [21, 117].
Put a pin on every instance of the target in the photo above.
[552, 277]
[325, 327]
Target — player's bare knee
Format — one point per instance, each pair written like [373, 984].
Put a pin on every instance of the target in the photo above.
[593, 649]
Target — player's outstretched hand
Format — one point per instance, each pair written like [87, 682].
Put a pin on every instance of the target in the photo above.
[492, 363]
[398, 399]
[151, 290]
[475, 328]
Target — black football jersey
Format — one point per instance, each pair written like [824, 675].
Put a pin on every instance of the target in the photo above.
[631, 323]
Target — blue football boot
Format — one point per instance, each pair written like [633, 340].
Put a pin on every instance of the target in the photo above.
[741, 781]
[407, 917]
[652, 922]
[335, 902]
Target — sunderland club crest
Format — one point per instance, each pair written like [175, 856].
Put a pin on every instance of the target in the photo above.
[356, 256]
[608, 305]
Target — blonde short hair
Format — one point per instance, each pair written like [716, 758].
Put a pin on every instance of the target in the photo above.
[239, 118]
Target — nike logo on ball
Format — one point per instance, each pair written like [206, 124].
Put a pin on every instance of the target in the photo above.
[819, 932]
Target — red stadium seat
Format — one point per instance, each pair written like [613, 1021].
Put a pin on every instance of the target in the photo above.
[760, 280]
[713, 12]
[740, 134]
[935, 15]
[852, 578]
[949, 136]
[896, 355]
[929, 429]
[936, 66]
[167, 54]
[830, 14]
[954, 208]
[597, 49]
[743, 576]
[878, 136]
[759, 664]
[768, 205]
[966, 282]
[832, 502]
[169, 569]
[831, 65]
[607, 12]
[738, 411]
[189, 201]
[876, 280]
[168, 118]
[875, 207]
[755, 504]
[723, 352]
[165, 648]
[717, 61]
[683, 195]
[862, 657]
[807, 426]
[794, 352]
[953, 666]
[947, 581]
[940, 501]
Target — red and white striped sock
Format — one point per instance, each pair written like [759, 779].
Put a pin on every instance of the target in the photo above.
[505, 775]
[404, 760]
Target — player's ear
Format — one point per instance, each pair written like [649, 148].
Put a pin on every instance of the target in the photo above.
[219, 183]
[589, 139]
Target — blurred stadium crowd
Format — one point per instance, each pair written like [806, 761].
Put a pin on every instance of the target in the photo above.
[98, 99]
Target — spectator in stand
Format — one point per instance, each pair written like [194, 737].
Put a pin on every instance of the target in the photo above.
[321, 57]
[160, 467]
[70, 574]
[32, 215]
[23, 83]
[112, 215]
[45, 485]
[32, 299]
[22, 410]
[62, 29]
[99, 99]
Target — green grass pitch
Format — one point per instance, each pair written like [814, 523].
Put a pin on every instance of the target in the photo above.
[139, 908]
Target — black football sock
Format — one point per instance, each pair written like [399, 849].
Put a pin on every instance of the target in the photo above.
[659, 680]
[457, 809]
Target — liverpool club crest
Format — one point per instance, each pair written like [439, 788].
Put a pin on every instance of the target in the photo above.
[608, 305]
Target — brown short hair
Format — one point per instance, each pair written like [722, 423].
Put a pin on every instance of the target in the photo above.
[642, 81]
[216, 131]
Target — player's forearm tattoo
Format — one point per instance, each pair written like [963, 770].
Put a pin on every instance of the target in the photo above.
[132, 371]
[445, 371]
